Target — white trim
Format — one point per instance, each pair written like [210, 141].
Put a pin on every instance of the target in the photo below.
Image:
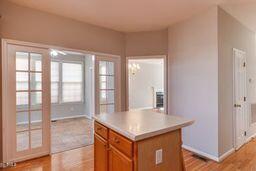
[250, 138]
[225, 155]
[143, 108]
[209, 156]
[164, 57]
[45, 46]
[69, 117]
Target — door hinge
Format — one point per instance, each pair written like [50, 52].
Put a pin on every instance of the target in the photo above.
[245, 99]
[244, 65]
[245, 133]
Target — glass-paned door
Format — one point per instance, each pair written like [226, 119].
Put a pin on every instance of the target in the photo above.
[28, 102]
[107, 84]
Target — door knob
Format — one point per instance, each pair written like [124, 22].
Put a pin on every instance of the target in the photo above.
[237, 105]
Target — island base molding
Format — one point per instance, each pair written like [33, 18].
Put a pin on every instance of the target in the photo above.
[114, 152]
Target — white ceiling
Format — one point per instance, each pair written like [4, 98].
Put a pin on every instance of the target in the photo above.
[147, 61]
[139, 15]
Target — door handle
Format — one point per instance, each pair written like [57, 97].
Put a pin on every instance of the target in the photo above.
[237, 105]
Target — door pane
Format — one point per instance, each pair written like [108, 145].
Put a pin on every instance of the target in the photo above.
[36, 100]
[102, 67]
[103, 97]
[110, 82]
[110, 68]
[22, 141]
[36, 81]
[21, 101]
[103, 82]
[22, 61]
[21, 80]
[110, 96]
[35, 62]
[36, 138]
[103, 108]
[22, 120]
[110, 108]
[36, 119]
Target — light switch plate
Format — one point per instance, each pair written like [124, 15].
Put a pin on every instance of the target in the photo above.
[159, 156]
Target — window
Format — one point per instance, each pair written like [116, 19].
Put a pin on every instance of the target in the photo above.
[66, 82]
[72, 82]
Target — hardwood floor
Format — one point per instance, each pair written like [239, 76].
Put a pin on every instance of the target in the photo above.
[82, 159]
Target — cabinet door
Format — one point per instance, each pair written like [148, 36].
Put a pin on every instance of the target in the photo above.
[100, 154]
[118, 161]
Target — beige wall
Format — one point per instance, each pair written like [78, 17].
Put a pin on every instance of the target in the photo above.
[193, 79]
[147, 43]
[232, 34]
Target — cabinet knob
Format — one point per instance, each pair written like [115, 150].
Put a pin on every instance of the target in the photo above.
[116, 141]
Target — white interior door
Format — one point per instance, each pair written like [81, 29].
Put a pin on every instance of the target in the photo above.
[27, 107]
[239, 97]
[107, 84]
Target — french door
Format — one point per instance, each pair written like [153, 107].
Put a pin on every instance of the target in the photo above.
[107, 84]
[239, 97]
[27, 103]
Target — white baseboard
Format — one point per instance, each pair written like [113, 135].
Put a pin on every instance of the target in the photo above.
[70, 117]
[201, 153]
[209, 156]
[250, 138]
[59, 118]
[225, 155]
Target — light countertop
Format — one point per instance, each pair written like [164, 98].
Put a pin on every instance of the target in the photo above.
[141, 124]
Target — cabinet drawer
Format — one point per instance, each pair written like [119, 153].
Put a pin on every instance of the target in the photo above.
[101, 130]
[121, 143]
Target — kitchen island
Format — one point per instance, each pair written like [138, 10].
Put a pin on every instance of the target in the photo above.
[138, 141]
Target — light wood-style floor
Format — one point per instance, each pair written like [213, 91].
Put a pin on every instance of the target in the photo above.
[81, 159]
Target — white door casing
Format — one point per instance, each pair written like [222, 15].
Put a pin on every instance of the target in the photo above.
[239, 97]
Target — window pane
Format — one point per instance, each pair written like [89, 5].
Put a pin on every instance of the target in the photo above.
[110, 96]
[110, 68]
[103, 82]
[103, 109]
[21, 101]
[22, 141]
[36, 138]
[21, 80]
[22, 121]
[110, 108]
[22, 61]
[36, 100]
[110, 82]
[72, 72]
[72, 92]
[35, 62]
[103, 97]
[36, 81]
[36, 119]
[102, 67]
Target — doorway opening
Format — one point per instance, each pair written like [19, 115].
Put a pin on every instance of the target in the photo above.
[72, 100]
[146, 83]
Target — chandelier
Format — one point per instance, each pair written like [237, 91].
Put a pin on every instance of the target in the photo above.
[133, 68]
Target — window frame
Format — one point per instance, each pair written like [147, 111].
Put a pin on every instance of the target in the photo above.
[60, 84]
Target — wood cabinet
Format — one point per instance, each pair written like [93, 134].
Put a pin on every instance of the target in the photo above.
[118, 161]
[114, 152]
[100, 154]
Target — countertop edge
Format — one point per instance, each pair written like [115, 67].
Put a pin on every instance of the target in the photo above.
[145, 135]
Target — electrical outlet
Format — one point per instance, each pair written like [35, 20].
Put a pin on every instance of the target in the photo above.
[159, 156]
